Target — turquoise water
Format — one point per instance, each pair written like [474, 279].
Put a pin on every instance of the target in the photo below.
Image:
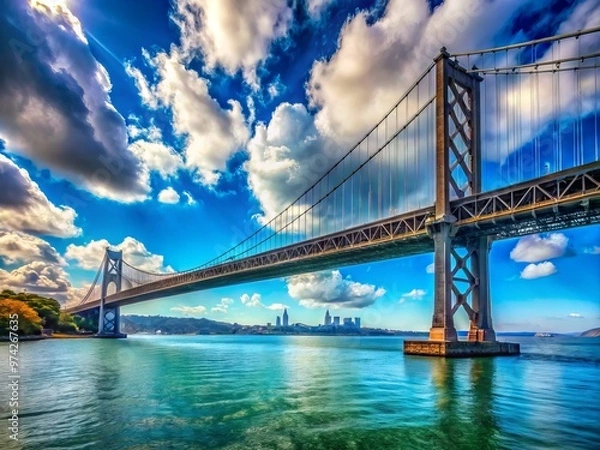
[300, 392]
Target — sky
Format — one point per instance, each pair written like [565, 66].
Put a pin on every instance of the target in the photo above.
[172, 129]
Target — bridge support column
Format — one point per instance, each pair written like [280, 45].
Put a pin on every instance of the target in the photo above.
[481, 329]
[461, 262]
[442, 327]
[109, 320]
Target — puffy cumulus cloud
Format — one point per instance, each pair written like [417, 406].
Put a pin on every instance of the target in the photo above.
[24, 207]
[535, 248]
[212, 134]
[168, 195]
[222, 306]
[18, 247]
[285, 157]
[575, 316]
[157, 157]
[252, 301]
[595, 250]
[330, 289]
[189, 310]
[148, 146]
[543, 269]
[55, 106]
[415, 294]
[430, 268]
[233, 34]
[376, 62]
[90, 256]
[40, 277]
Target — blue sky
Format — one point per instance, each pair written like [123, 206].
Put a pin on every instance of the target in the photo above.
[171, 129]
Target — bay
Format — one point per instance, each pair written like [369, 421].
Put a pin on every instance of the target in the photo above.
[299, 392]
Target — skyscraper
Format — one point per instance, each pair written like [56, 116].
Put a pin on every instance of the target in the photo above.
[278, 322]
[336, 321]
[327, 318]
[285, 318]
[357, 322]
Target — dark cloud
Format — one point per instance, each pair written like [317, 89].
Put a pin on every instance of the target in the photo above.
[54, 103]
[14, 187]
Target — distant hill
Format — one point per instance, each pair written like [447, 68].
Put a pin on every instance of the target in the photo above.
[173, 325]
[594, 332]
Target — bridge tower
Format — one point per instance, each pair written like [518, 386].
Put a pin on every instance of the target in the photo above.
[461, 264]
[109, 324]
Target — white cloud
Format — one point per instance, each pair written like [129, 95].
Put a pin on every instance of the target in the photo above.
[543, 269]
[535, 248]
[18, 247]
[157, 157]
[168, 195]
[415, 294]
[430, 268]
[285, 157]
[212, 134]
[232, 34]
[24, 207]
[251, 301]
[375, 63]
[316, 7]
[90, 256]
[146, 91]
[277, 307]
[575, 316]
[330, 289]
[189, 200]
[40, 277]
[595, 250]
[189, 310]
[254, 301]
[222, 306]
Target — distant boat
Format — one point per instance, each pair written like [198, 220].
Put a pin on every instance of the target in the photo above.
[542, 334]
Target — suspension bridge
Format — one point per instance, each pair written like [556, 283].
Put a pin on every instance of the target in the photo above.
[484, 145]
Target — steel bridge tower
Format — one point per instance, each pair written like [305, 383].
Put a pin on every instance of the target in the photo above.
[461, 265]
[109, 323]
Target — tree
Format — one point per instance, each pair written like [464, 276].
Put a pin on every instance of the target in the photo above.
[86, 323]
[29, 322]
[66, 324]
[47, 308]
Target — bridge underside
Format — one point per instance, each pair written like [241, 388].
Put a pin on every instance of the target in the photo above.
[562, 200]
[412, 245]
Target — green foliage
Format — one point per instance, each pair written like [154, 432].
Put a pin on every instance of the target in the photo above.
[47, 310]
[86, 324]
[66, 323]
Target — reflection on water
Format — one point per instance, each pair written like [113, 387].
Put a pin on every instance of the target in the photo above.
[301, 392]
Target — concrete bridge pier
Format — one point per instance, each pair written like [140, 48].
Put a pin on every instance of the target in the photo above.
[461, 262]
